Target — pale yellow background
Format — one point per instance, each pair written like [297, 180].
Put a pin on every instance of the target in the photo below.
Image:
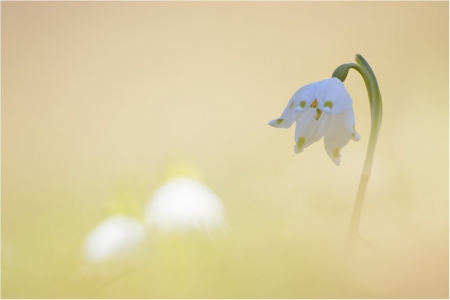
[96, 95]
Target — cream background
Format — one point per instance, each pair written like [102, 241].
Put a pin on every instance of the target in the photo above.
[96, 95]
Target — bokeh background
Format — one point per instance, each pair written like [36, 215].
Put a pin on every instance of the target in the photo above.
[100, 97]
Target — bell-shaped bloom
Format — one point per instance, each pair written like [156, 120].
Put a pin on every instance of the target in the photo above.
[321, 109]
[113, 238]
[184, 203]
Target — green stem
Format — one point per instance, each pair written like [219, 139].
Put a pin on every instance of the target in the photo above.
[373, 92]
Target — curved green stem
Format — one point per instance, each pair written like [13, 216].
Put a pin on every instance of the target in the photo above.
[376, 108]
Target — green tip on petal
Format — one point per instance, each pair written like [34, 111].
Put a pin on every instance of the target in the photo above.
[279, 121]
[336, 152]
[302, 104]
[300, 142]
[328, 103]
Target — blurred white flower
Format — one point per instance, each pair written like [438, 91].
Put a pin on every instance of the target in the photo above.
[185, 203]
[113, 238]
[322, 108]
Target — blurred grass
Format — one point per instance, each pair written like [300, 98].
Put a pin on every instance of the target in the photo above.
[289, 250]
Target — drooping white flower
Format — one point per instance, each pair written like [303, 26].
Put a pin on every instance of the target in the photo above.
[113, 238]
[321, 109]
[185, 203]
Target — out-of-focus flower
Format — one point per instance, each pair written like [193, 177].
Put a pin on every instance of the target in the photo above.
[185, 203]
[113, 238]
[321, 109]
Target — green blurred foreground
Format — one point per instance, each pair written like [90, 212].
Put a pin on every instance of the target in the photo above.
[257, 255]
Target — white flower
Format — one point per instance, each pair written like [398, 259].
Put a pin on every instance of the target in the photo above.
[321, 109]
[185, 203]
[113, 238]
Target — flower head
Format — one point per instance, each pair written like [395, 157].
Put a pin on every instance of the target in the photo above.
[113, 238]
[185, 203]
[321, 109]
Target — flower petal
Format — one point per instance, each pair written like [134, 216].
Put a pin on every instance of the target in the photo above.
[350, 124]
[310, 130]
[332, 96]
[339, 132]
[299, 102]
